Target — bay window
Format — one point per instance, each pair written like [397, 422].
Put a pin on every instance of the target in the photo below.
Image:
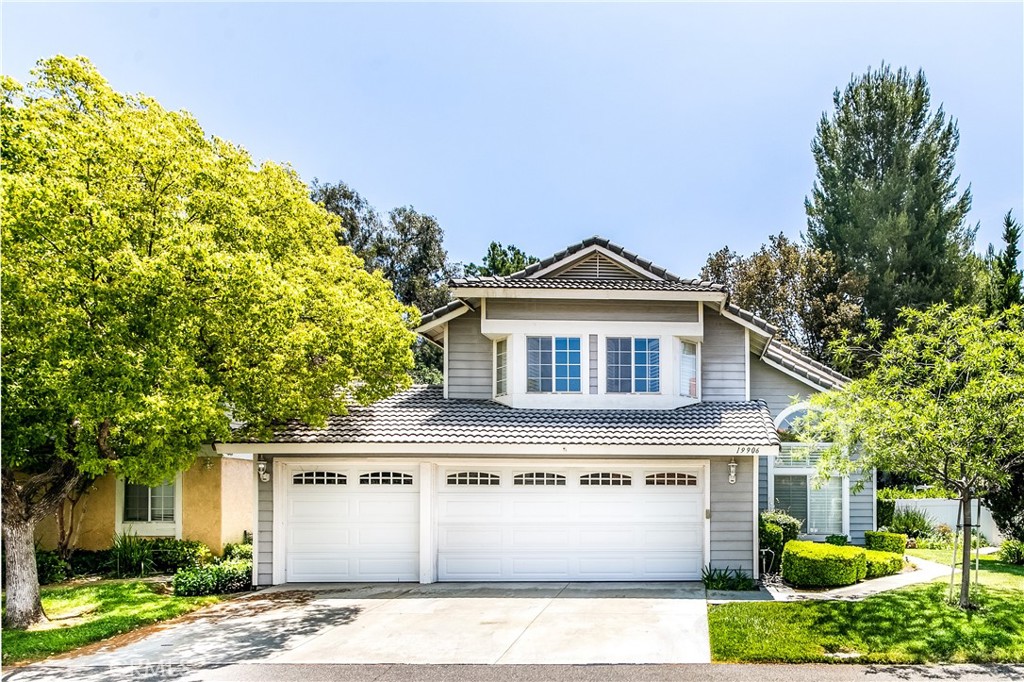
[688, 370]
[501, 367]
[553, 364]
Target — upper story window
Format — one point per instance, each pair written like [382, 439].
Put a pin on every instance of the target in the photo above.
[501, 367]
[553, 364]
[633, 365]
[688, 369]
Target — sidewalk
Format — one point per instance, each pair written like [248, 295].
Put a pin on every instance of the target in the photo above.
[926, 572]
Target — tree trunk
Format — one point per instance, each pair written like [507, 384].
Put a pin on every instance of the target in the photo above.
[965, 573]
[23, 605]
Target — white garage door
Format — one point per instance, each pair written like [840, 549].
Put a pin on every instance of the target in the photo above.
[347, 523]
[576, 523]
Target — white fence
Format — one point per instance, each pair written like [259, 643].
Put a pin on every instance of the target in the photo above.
[945, 511]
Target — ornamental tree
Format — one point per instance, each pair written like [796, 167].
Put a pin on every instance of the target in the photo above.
[943, 403]
[156, 285]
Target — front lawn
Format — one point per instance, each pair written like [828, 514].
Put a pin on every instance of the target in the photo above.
[81, 613]
[910, 625]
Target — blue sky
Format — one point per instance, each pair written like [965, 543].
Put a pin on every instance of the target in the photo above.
[673, 129]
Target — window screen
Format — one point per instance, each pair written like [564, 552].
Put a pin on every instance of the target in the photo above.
[553, 364]
[791, 497]
[143, 504]
[633, 365]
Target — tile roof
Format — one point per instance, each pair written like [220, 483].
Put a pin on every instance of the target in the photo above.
[512, 282]
[604, 243]
[807, 367]
[422, 415]
[447, 308]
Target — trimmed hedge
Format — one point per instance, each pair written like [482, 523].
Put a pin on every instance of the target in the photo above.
[220, 578]
[881, 541]
[238, 551]
[881, 564]
[171, 555]
[770, 537]
[790, 526]
[815, 564]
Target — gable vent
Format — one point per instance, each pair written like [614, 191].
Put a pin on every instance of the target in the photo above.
[596, 266]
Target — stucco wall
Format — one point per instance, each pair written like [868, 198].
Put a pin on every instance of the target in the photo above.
[236, 499]
[200, 519]
[95, 514]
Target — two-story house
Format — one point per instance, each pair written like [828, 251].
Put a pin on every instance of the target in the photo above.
[600, 419]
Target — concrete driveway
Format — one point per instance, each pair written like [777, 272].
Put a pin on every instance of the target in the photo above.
[450, 623]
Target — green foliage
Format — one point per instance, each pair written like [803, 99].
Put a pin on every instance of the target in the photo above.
[131, 556]
[881, 564]
[1005, 278]
[789, 524]
[153, 275]
[884, 511]
[90, 562]
[940, 405]
[500, 261]
[1012, 552]
[885, 201]
[885, 542]
[837, 540]
[914, 523]
[233, 575]
[815, 564]
[100, 609]
[51, 568]
[238, 551]
[908, 493]
[797, 289]
[170, 555]
[770, 537]
[731, 579]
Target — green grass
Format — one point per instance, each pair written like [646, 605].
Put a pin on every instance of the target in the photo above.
[910, 625]
[100, 610]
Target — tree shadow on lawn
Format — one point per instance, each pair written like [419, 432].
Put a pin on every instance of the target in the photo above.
[918, 625]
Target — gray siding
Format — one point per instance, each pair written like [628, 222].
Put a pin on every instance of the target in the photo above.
[774, 387]
[762, 484]
[723, 359]
[732, 515]
[862, 507]
[593, 311]
[265, 530]
[469, 358]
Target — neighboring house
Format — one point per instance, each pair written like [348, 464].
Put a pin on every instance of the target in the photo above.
[211, 502]
[600, 419]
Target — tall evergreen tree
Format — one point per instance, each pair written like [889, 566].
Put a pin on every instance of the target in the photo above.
[885, 200]
[501, 260]
[1006, 275]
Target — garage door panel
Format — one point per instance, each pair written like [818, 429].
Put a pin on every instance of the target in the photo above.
[319, 508]
[573, 532]
[319, 537]
[379, 536]
[369, 508]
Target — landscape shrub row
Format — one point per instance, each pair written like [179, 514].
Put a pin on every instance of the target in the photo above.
[883, 541]
[814, 564]
[232, 575]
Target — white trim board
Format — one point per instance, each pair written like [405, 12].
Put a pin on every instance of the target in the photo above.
[497, 450]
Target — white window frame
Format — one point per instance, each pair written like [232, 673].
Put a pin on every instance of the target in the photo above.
[498, 393]
[583, 379]
[810, 472]
[161, 529]
[679, 366]
[632, 364]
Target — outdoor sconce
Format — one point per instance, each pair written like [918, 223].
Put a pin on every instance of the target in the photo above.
[264, 474]
[732, 470]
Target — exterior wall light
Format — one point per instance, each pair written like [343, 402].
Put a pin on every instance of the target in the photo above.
[732, 470]
[264, 474]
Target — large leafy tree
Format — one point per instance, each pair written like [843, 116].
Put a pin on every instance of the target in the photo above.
[156, 285]
[885, 200]
[795, 288]
[943, 404]
[501, 261]
[406, 247]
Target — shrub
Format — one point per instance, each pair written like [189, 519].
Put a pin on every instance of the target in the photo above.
[770, 538]
[837, 540]
[726, 579]
[884, 509]
[790, 526]
[1012, 552]
[882, 563]
[90, 562]
[885, 542]
[171, 555]
[907, 493]
[51, 568]
[238, 551]
[815, 564]
[131, 555]
[216, 578]
[914, 523]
